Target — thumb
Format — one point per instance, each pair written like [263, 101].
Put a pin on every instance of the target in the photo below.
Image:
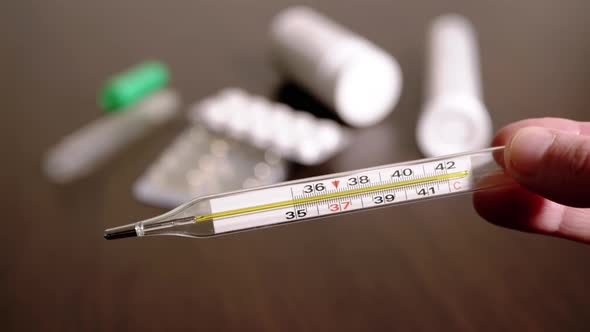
[551, 163]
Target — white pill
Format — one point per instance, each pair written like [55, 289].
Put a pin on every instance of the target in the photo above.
[239, 123]
[261, 133]
[215, 116]
[280, 126]
[303, 125]
[330, 135]
[309, 153]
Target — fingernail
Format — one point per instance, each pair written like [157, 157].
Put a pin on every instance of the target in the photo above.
[527, 148]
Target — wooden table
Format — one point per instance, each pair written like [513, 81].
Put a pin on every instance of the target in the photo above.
[430, 266]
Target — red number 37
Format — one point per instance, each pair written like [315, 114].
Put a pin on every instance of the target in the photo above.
[337, 207]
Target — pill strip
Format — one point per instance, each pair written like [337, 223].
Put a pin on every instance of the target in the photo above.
[294, 135]
[200, 163]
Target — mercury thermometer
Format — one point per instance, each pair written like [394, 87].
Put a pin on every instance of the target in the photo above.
[324, 196]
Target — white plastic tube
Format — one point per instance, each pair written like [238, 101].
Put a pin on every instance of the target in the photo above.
[454, 118]
[84, 150]
[344, 70]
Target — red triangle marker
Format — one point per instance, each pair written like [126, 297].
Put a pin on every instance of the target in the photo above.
[335, 183]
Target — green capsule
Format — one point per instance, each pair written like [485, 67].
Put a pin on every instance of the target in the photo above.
[133, 85]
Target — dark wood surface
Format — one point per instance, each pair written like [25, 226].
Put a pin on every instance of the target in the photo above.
[429, 266]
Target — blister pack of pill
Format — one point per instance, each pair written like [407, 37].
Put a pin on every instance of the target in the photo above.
[294, 135]
[200, 162]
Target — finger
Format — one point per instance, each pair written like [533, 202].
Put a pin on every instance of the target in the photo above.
[503, 135]
[517, 208]
[554, 164]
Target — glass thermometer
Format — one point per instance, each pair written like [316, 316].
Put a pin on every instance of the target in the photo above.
[324, 196]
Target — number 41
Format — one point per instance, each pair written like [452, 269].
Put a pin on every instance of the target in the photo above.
[426, 191]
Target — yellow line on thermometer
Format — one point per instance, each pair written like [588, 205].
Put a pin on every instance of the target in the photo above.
[303, 200]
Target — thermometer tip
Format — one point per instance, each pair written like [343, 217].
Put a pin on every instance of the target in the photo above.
[120, 232]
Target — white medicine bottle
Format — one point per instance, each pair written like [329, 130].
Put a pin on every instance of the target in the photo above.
[347, 72]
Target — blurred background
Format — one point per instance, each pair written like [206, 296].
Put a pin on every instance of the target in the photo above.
[427, 266]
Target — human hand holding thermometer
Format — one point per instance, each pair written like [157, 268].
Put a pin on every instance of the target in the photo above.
[324, 196]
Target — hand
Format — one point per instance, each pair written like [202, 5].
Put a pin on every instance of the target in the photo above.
[549, 159]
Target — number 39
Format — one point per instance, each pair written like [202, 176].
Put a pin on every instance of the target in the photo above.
[381, 199]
